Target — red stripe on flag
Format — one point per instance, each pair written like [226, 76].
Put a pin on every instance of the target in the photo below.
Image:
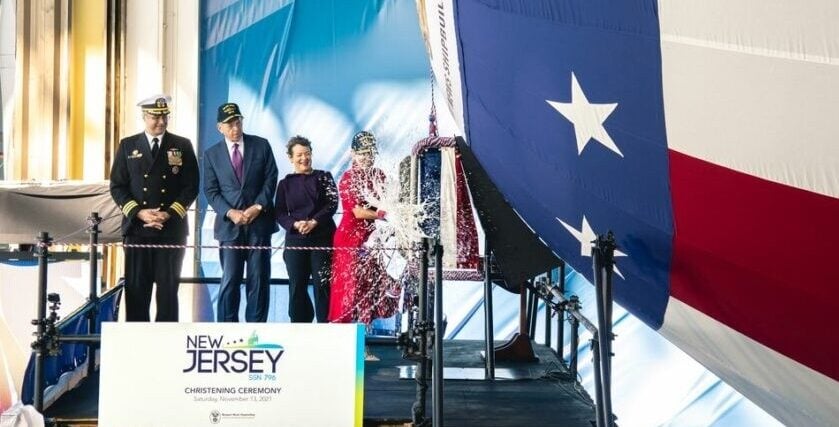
[759, 257]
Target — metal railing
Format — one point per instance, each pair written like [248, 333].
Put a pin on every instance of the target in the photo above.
[417, 340]
[48, 336]
[568, 308]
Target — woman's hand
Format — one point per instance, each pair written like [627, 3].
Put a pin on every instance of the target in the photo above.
[309, 225]
[305, 227]
[364, 213]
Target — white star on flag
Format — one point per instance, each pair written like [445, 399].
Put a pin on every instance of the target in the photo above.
[586, 117]
[585, 236]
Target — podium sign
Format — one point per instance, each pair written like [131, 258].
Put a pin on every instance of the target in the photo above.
[231, 374]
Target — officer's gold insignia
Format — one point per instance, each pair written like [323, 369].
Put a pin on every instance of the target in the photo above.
[175, 157]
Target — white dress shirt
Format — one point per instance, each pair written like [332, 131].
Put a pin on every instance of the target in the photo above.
[230, 147]
[149, 137]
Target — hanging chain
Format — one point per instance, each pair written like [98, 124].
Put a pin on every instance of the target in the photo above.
[432, 116]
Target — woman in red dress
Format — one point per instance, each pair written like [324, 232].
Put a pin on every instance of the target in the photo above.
[360, 284]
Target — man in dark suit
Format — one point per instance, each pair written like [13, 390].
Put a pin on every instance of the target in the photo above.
[154, 179]
[240, 177]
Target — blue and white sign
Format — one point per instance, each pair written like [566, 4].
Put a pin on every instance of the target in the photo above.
[229, 374]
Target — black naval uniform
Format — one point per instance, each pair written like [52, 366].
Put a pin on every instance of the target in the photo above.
[169, 182]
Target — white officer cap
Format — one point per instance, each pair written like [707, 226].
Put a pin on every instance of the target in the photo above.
[156, 105]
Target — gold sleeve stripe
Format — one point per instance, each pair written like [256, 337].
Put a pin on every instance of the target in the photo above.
[180, 209]
[177, 207]
[126, 209]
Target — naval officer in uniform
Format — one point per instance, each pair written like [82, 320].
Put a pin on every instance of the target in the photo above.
[154, 179]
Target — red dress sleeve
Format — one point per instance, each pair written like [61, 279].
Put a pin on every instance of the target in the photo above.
[349, 196]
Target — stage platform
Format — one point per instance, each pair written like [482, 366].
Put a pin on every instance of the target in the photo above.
[523, 394]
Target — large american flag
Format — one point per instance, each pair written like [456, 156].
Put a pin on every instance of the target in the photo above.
[705, 135]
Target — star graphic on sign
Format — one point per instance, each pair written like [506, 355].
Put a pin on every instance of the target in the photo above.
[585, 235]
[586, 117]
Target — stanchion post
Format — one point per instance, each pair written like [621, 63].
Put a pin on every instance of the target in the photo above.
[602, 254]
[93, 297]
[560, 315]
[437, 382]
[548, 299]
[489, 332]
[574, 304]
[39, 346]
[598, 386]
[418, 409]
[532, 308]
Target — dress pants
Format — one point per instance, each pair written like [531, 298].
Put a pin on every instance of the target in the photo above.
[301, 265]
[257, 284]
[145, 266]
